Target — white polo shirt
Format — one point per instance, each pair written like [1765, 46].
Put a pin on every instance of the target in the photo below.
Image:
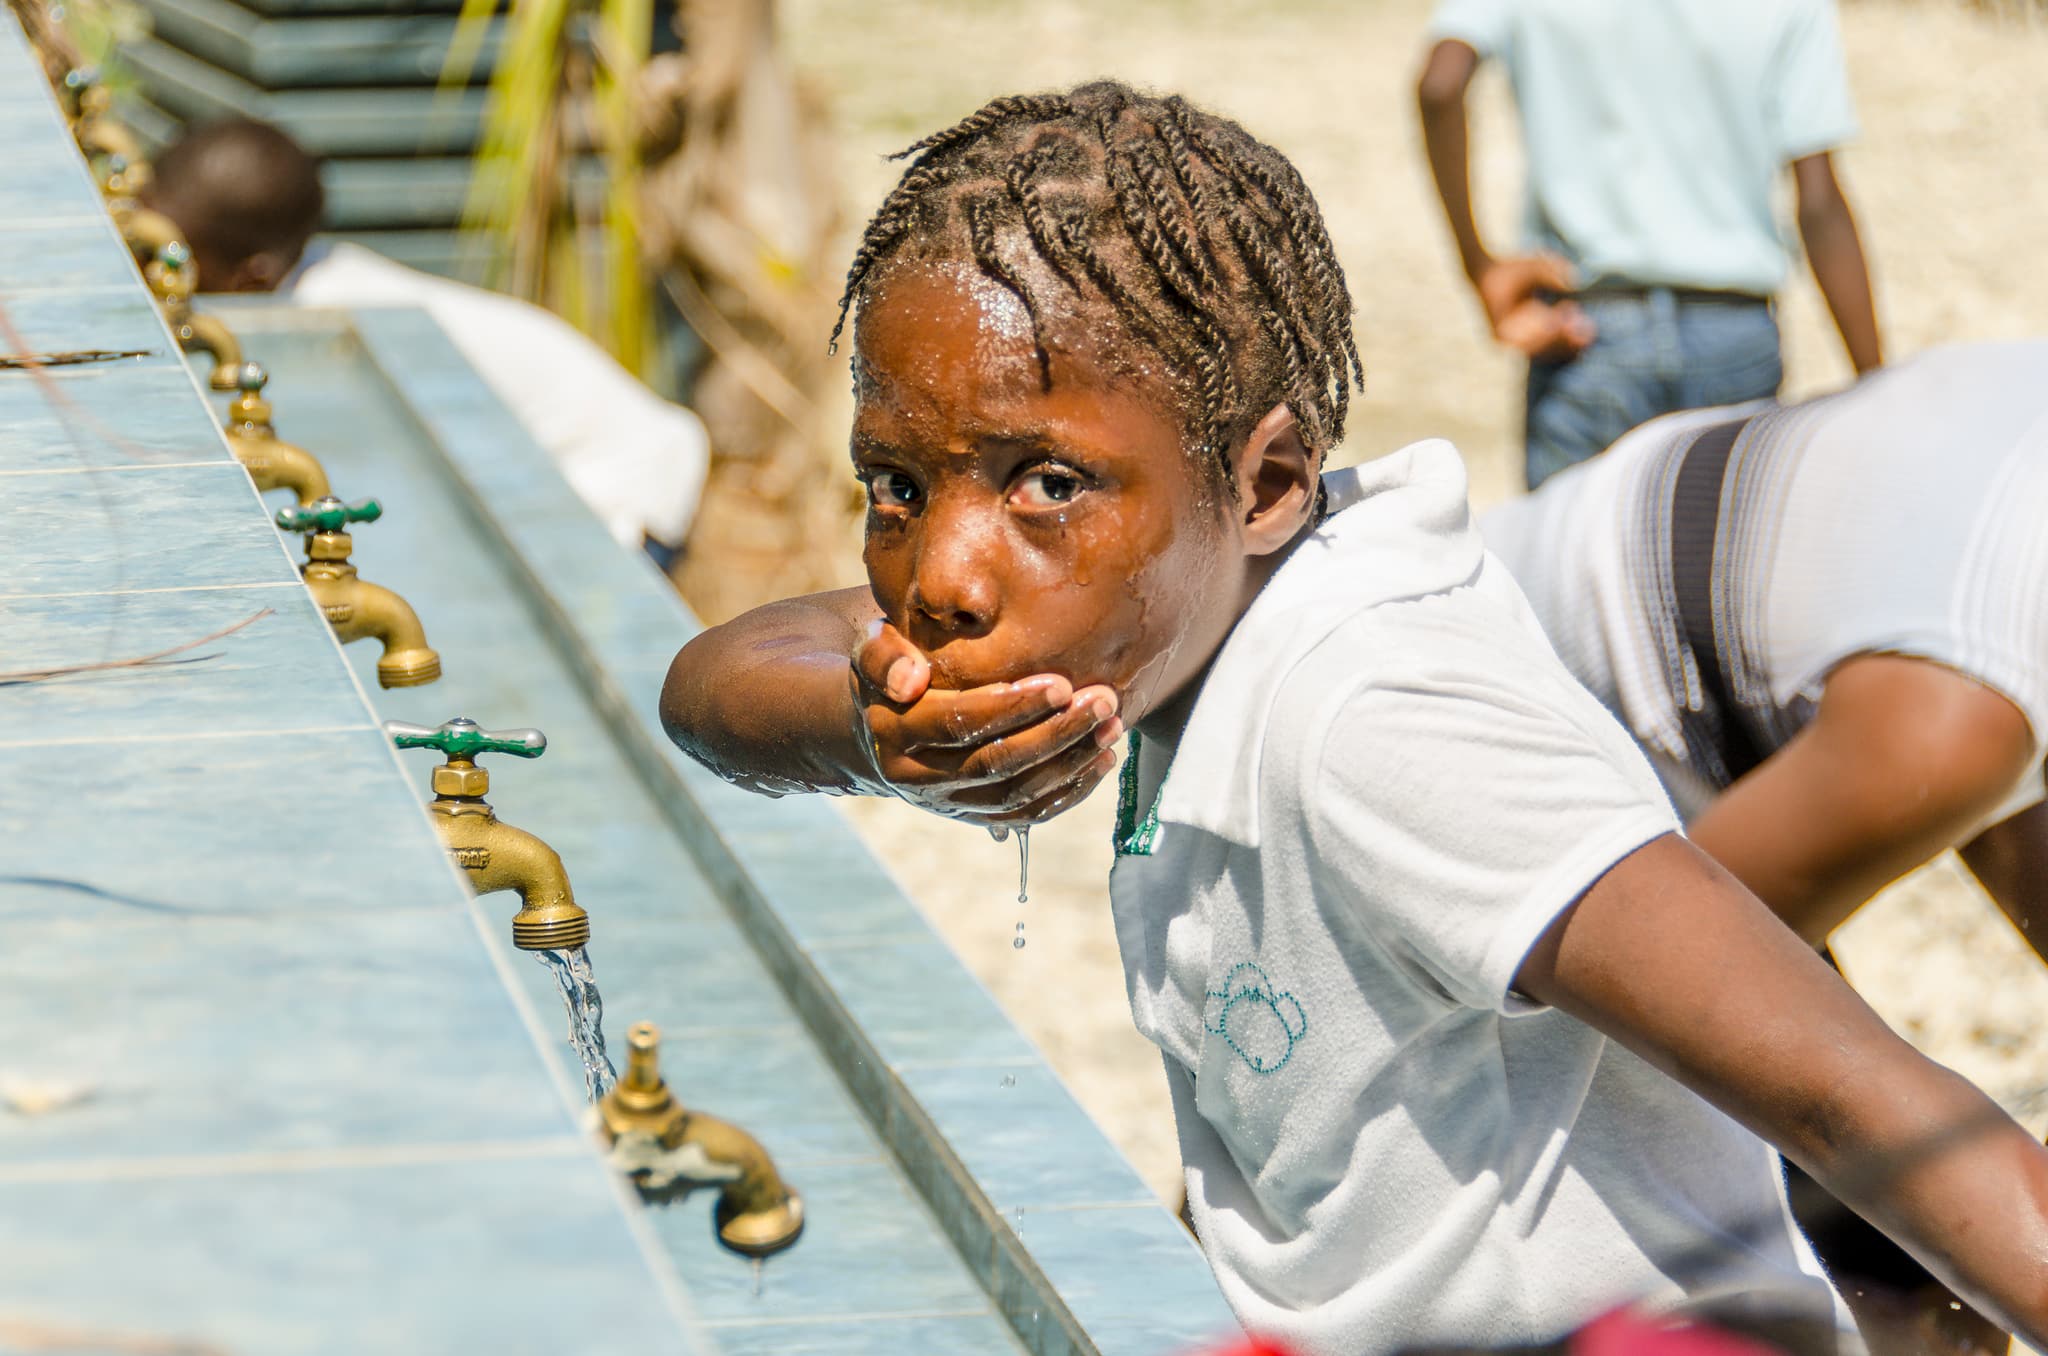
[1387, 790]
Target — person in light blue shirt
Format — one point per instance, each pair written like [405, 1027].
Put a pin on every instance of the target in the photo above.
[1655, 131]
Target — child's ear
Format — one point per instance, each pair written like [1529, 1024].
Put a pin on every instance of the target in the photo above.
[1276, 482]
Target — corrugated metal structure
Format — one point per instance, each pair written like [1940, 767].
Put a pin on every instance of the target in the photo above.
[352, 80]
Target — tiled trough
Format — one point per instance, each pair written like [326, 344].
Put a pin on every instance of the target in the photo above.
[273, 1081]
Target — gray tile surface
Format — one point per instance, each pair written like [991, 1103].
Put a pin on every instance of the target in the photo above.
[224, 686]
[380, 1024]
[514, 1255]
[265, 1085]
[151, 527]
[102, 415]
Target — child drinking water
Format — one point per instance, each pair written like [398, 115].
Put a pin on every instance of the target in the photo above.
[1466, 1043]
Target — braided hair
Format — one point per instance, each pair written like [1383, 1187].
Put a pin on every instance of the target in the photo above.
[1202, 241]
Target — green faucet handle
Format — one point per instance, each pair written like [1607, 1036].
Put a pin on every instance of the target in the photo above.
[175, 255]
[328, 514]
[464, 738]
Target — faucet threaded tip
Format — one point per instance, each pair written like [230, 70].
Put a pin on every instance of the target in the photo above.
[559, 926]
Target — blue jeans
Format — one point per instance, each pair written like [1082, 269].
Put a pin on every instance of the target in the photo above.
[1654, 353]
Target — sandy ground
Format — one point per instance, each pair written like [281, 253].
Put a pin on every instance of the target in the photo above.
[1947, 183]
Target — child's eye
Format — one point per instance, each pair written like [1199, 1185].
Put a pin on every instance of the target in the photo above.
[893, 489]
[1048, 489]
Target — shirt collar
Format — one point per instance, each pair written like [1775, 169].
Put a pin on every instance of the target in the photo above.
[1399, 527]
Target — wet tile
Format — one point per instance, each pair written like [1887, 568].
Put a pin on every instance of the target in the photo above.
[35, 257]
[868, 1246]
[967, 1335]
[516, 1256]
[916, 1001]
[1160, 1298]
[153, 527]
[110, 414]
[371, 1026]
[279, 670]
[45, 177]
[116, 318]
[695, 973]
[244, 826]
[1027, 1144]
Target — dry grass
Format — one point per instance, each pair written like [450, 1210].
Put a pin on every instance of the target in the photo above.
[1947, 183]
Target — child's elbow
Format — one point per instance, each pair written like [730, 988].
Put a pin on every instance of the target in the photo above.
[1446, 75]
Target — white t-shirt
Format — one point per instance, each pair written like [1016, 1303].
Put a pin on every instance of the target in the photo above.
[635, 459]
[1903, 515]
[1387, 790]
[1655, 129]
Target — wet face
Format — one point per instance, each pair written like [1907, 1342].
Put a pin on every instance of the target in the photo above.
[1018, 527]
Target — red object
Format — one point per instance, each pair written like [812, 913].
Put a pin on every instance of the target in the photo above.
[1250, 1347]
[1625, 1334]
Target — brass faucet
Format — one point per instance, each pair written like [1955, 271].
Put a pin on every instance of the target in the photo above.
[354, 607]
[172, 277]
[493, 854]
[661, 1142]
[271, 462]
[146, 232]
[99, 132]
[122, 180]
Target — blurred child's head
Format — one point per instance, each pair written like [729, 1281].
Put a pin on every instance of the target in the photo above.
[246, 197]
[1102, 345]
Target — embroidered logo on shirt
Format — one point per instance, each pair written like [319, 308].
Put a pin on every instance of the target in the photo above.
[1257, 1021]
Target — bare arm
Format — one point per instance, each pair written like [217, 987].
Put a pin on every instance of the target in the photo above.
[819, 693]
[1509, 288]
[1835, 251]
[1902, 759]
[1440, 94]
[2010, 860]
[1671, 957]
[767, 699]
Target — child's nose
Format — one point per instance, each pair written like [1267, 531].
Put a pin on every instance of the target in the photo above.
[955, 584]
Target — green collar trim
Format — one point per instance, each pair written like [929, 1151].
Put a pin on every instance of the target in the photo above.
[1134, 838]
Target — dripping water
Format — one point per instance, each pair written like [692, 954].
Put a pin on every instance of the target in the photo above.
[585, 1005]
[1024, 864]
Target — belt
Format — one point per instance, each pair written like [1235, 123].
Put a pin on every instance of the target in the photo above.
[1698, 296]
[1696, 501]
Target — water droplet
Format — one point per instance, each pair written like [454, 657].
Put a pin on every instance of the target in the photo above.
[760, 1269]
[999, 833]
[1024, 865]
[1009, 1080]
[1018, 941]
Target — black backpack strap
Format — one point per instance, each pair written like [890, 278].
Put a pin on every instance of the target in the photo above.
[1695, 523]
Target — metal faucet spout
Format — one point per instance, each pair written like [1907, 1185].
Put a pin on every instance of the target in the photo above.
[272, 463]
[497, 856]
[662, 1143]
[353, 606]
[207, 334]
[493, 854]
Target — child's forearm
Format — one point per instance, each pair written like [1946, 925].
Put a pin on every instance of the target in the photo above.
[1440, 96]
[767, 700]
[1834, 249]
[1941, 1168]
[1669, 956]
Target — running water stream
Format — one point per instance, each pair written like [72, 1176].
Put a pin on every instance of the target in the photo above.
[571, 970]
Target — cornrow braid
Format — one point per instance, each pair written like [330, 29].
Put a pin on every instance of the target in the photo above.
[1198, 240]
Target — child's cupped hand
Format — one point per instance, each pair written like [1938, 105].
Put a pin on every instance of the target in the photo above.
[1004, 754]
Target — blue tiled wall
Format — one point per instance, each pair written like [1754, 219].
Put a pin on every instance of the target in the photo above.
[264, 1085]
